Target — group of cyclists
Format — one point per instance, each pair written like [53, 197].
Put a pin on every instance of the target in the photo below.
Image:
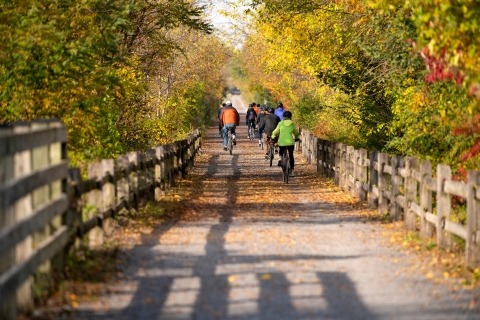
[270, 124]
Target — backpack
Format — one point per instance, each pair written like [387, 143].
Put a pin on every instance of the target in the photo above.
[251, 114]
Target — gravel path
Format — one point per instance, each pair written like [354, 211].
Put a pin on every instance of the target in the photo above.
[250, 247]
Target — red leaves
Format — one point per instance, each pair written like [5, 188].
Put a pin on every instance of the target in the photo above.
[472, 152]
[439, 68]
[466, 130]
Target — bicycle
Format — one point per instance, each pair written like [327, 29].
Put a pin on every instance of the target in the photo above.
[230, 141]
[251, 133]
[270, 151]
[285, 165]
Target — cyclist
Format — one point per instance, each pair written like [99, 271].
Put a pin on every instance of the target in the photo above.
[268, 124]
[250, 118]
[262, 113]
[279, 110]
[229, 120]
[255, 107]
[218, 117]
[288, 135]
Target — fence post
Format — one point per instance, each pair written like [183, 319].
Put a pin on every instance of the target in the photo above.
[331, 159]
[151, 166]
[95, 236]
[133, 158]
[8, 308]
[473, 220]
[343, 166]
[108, 195]
[349, 168]
[75, 219]
[123, 184]
[363, 174]
[163, 171]
[157, 179]
[356, 173]
[397, 181]
[426, 229]
[142, 174]
[373, 179]
[444, 203]
[336, 148]
[382, 183]
[410, 192]
[23, 209]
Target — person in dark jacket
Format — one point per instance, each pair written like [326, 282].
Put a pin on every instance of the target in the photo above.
[261, 114]
[279, 111]
[250, 118]
[268, 124]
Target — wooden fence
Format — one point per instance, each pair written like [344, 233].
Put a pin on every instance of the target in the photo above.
[404, 188]
[47, 208]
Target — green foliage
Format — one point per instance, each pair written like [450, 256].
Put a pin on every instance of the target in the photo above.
[399, 76]
[97, 64]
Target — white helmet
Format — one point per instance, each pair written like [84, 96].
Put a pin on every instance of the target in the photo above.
[228, 103]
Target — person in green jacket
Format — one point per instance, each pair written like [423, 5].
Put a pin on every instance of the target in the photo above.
[288, 134]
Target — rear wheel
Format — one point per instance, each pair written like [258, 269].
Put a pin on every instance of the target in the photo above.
[230, 142]
[286, 167]
[270, 154]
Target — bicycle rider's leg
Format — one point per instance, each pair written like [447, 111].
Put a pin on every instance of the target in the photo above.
[230, 127]
[225, 136]
[280, 155]
[290, 155]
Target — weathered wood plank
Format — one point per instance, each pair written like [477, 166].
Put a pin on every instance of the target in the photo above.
[14, 277]
[457, 188]
[426, 229]
[18, 142]
[444, 204]
[430, 183]
[473, 220]
[17, 188]
[431, 218]
[411, 164]
[417, 209]
[456, 229]
[40, 217]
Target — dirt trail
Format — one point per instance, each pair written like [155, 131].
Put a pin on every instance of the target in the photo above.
[243, 245]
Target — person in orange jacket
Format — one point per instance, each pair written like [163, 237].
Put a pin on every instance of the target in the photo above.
[229, 120]
[255, 107]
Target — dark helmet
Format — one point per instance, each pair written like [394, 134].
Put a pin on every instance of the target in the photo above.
[287, 114]
[263, 108]
[254, 104]
[270, 110]
[280, 105]
[224, 104]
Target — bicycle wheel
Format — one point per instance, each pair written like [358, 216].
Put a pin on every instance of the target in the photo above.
[286, 172]
[250, 134]
[230, 143]
[270, 154]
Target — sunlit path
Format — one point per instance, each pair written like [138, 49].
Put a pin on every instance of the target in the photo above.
[247, 246]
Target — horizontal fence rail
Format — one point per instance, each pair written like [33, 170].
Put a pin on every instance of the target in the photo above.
[47, 209]
[404, 188]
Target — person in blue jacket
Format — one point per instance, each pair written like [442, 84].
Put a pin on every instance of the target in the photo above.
[279, 111]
